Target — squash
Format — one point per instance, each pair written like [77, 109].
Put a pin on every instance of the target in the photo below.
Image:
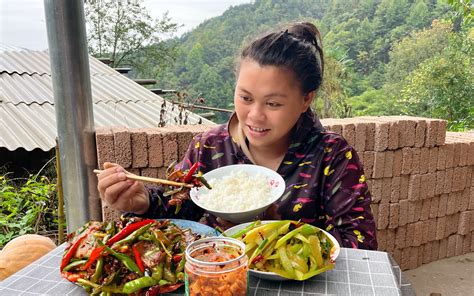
[22, 251]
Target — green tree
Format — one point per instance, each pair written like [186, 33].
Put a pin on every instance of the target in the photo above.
[120, 30]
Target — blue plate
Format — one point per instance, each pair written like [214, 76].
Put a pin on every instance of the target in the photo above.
[196, 227]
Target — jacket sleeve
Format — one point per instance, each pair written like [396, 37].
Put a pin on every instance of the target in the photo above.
[346, 199]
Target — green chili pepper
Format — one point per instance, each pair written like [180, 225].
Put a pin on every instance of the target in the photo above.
[99, 267]
[74, 264]
[238, 234]
[204, 181]
[306, 228]
[157, 271]
[137, 284]
[127, 261]
[133, 236]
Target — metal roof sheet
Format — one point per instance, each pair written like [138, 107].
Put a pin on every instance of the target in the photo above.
[27, 103]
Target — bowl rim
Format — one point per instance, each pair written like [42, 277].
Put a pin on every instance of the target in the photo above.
[276, 174]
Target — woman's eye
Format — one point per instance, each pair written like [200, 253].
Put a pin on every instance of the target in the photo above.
[245, 98]
[274, 104]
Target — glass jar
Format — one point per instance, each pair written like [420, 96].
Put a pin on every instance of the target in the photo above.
[216, 266]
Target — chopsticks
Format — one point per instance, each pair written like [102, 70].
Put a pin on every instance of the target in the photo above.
[152, 180]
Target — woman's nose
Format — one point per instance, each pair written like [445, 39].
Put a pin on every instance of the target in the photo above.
[256, 112]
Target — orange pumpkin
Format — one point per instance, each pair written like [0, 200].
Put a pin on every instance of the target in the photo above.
[22, 251]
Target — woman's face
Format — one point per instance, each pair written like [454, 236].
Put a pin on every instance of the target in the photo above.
[268, 102]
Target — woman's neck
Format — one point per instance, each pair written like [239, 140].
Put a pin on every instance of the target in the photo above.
[270, 157]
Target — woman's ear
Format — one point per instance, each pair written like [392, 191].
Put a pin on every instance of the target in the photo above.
[307, 100]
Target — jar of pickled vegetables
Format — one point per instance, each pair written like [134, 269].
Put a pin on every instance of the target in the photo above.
[216, 266]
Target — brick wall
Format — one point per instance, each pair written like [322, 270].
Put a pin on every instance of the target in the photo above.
[421, 177]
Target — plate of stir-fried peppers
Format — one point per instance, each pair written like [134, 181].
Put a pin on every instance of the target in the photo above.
[134, 256]
[282, 250]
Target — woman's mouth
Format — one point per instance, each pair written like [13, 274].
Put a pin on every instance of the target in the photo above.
[258, 130]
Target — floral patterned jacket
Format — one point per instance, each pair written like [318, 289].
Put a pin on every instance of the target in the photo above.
[325, 182]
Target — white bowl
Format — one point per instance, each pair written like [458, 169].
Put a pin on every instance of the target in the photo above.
[266, 275]
[275, 181]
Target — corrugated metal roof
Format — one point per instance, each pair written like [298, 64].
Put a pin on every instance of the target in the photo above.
[27, 102]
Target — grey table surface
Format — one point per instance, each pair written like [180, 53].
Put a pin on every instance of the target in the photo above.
[357, 272]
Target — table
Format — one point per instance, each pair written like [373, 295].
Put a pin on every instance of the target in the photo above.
[357, 272]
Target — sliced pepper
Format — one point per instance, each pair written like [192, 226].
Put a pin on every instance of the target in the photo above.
[72, 250]
[190, 173]
[138, 258]
[137, 284]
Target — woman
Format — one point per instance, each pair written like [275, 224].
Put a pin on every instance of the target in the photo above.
[278, 76]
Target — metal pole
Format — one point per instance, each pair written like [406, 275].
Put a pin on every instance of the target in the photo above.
[74, 109]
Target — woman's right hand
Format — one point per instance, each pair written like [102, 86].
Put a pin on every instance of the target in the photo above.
[121, 193]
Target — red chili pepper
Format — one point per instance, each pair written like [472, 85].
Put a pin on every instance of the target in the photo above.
[138, 259]
[257, 259]
[157, 290]
[96, 253]
[191, 172]
[177, 258]
[72, 250]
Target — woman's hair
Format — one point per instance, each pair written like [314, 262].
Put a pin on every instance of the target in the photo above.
[298, 48]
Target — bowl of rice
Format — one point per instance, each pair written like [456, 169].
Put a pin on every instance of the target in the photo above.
[239, 192]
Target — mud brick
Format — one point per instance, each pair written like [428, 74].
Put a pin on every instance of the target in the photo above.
[413, 215]
[424, 160]
[423, 186]
[393, 135]
[431, 184]
[418, 209]
[397, 162]
[183, 138]
[105, 146]
[420, 133]
[434, 250]
[416, 158]
[162, 173]
[390, 240]
[426, 232]
[469, 177]
[431, 132]
[139, 149]
[123, 146]
[465, 199]
[414, 258]
[382, 240]
[449, 151]
[394, 215]
[155, 148]
[395, 189]
[386, 193]
[459, 198]
[384, 215]
[451, 206]
[459, 245]
[370, 136]
[440, 177]
[410, 235]
[472, 242]
[337, 128]
[433, 163]
[418, 233]
[109, 214]
[407, 160]
[451, 251]
[149, 172]
[400, 237]
[406, 255]
[376, 190]
[456, 153]
[427, 248]
[448, 181]
[432, 229]
[379, 163]
[403, 213]
[452, 224]
[397, 255]
[134, 171]
[470, 158]
[425, 209]
[440, 228]
[443, 205]
[381, 136]
[471, 198]
[360, 128]
[459, 178]
[464, 157]
[348, 132]
[369, 158]
[170, 154]
[402, 126]
[375, 211]
[414, 187]
[442, 152]
[404, 184]
[443, 248]
[434, 207]
[466, 243]
[465, 222]
[441, 133]
[388, 164]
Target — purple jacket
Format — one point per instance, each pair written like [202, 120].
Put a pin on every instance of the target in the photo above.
[325, 182]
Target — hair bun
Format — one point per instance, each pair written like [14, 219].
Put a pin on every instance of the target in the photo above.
[307, 32]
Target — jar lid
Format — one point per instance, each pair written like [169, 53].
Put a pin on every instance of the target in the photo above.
[214, 242]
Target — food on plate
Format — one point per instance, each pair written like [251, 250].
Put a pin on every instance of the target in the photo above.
[142, 256]
[291, 249]
[237, 192]
[180, 194]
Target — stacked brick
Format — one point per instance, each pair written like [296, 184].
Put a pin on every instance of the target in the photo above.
[422, 184]
[146, 152]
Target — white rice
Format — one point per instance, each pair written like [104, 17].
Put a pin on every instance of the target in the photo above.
[237, 192]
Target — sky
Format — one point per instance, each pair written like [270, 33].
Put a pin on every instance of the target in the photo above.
[22, 22]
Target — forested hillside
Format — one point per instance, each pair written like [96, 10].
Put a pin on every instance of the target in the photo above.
[383, 57]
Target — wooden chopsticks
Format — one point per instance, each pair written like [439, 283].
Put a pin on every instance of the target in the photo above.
[152, 180]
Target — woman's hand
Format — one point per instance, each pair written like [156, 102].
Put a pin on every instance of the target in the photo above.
[121, 193]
